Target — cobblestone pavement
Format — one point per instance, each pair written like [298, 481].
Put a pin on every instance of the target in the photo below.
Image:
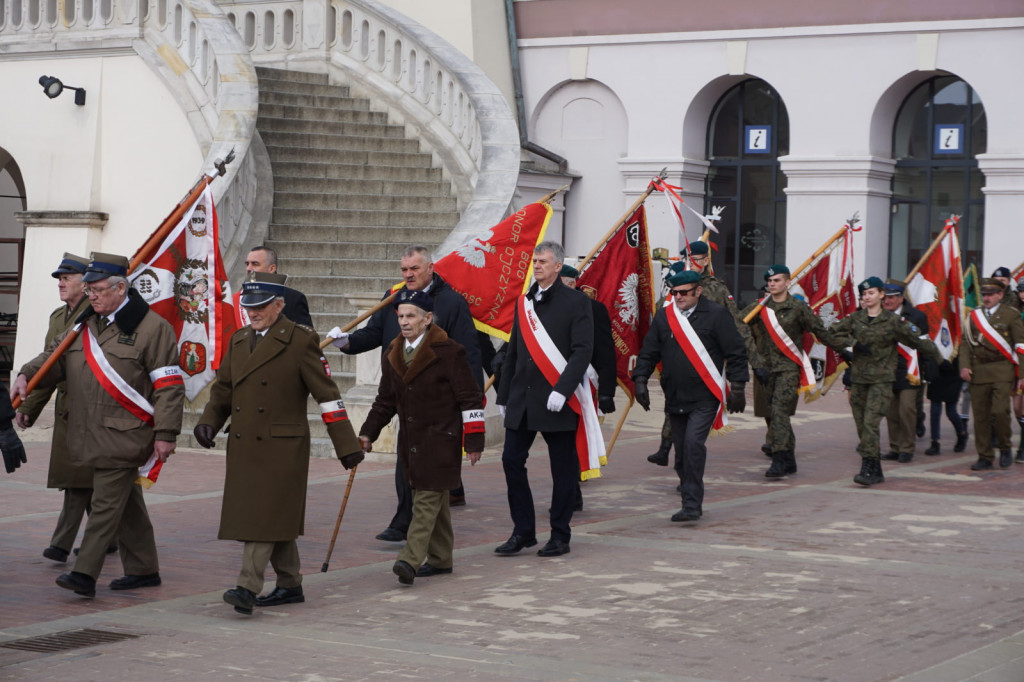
[807, 578]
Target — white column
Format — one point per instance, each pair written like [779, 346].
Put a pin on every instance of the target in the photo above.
[1004, 206]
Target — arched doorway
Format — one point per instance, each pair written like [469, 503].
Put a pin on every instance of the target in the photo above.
[939, 130]
[12, 244]
[747, 133]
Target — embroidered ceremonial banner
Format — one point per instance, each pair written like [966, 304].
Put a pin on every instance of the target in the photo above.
[621, 278]
[937, 290]
[493, 271]
[185, 283]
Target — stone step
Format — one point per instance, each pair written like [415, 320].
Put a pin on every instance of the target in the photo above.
[344, 284]
[290, 232]
[292, 125]
[290, 110]
[294, 76]
[351, 157]
[299, 88]
[349, 171]
[274, 138]
[289, 251]
[355, 187]
[354, 218]
[337, 267]
[339, 305]
[324, 101]
[362, 202]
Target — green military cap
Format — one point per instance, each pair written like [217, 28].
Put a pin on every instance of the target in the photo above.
[697, 248]
[71, 265]
[870, 283]
[685, 277]
[103, 265]
[569, 271]
[777, 269]
[990, 285]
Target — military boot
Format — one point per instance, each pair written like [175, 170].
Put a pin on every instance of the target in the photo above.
[879, 477]
[778, 467]
[961, 440]
[933, 449]
[661, 456]
[789, 461]
[1005, 459]
[866, 471]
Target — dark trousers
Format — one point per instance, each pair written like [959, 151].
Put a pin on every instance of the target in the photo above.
[951, 413]
[564, 473]
[77, 502]
[403, 515]
[118, 511]
[689, 434]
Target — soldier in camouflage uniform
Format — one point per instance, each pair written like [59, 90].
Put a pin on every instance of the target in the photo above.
[715, 290]
[780, 375]
[874, 334]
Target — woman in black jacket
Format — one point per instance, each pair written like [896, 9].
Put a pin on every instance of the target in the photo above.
[945, 390]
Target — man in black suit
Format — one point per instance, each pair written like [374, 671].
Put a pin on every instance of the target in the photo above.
[902, 416]
[451, 313]
[532, 400]
[296, 308]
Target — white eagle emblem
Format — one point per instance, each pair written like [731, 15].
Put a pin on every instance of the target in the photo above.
[828, 314]
[475, 251]
[627, 304]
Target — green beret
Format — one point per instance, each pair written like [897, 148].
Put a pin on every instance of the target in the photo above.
[777, 269]
[569, 271]
[678, 266]
[685, 277]
[697, 248]
[870, 283]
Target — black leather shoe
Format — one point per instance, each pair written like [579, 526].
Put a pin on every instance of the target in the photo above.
[391, 535]
[426, 570]
[131, 582]
[554, 547]
[242, 599]
[905, 457]
[282, 595]
[405, 572]
[686, 515]
[891, 456]
[1005, 459]
[982, 464]
[56, 554]
[961, 441]
[514, 544]
[1020, 454]
[456, 501]
[679, 488]
[933, 449]
[79, 583]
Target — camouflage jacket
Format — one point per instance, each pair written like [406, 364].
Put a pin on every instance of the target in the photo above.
[795, 317]
[880, 334]
[715, 290]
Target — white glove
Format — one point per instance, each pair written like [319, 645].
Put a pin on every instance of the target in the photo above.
[556, 401]
[501, 410]
[340, 338]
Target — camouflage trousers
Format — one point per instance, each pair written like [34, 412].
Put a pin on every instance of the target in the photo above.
[869, 402]
[782, 392]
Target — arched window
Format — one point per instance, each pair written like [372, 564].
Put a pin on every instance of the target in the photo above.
[747, 133]
[940, 129]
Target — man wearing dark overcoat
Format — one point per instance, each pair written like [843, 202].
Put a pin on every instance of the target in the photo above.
[63, 474]
[902, 415]
[269, 370]
[699, 349]
[426, 380]
[536, 395]
[126, 395]
[296, 307]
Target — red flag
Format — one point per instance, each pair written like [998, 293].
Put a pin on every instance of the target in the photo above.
[938, 291]
[493, 271]
[620, 278]
[184, 283]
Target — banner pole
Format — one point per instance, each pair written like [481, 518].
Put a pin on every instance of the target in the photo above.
[618, 427]
[620, 221]
[935, 244]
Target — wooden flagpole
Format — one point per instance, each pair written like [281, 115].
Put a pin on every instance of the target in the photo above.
[931, 249]
[1016, 271]
[625, 216]
[618, 427]
[806, 264]
[144, 253]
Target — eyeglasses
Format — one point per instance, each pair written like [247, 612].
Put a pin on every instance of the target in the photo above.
[89, 291]
[682, 292]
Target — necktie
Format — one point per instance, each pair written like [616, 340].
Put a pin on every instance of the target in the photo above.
[102, 324]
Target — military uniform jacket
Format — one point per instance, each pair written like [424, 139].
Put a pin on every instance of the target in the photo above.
[716, 291]
[569, 320]
[262, 387]
[62, 472]
[102, 433]
[795, 317]
[880, 334]
[980, 356]
[683, 386]
[429, 396]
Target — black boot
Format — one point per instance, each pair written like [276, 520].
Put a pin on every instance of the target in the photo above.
[789, 461]
[1020, 450]
[766, 450]
[961, 440]
[866, 475]
[877, 471]
[778, 467]
[934, 449]
[661, 456]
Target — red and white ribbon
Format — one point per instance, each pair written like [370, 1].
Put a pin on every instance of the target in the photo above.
[166, 376]
[688, 339]
[909, 355]
[996, 339]
[778, 335]
[112, 382]
[589, 442]
[333, 411]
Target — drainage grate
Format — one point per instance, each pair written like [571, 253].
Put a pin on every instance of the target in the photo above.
[65, 641]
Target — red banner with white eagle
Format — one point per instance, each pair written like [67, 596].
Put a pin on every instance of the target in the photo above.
[184, 283]
[828, 287]
[621, 278]
[937, 290]
[492, 271]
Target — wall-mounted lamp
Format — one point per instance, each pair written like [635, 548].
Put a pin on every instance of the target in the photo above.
[52, 86]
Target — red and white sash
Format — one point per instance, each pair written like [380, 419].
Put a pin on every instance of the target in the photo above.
[589, 442]
[909, 355]
[786, 346]
[996, 339]
[241, 314]
[687, 338]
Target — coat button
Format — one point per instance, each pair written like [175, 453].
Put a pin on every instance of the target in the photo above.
[238, 435]
[259, 437]
[238, 408]
[263, 383]
[259, 409]
[412, 449]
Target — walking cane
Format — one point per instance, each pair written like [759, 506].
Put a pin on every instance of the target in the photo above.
[341, 513]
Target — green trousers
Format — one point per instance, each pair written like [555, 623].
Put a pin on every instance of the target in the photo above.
[118, 512]
[283, 556]
[902, 420]
[430, 537]
[991, 406]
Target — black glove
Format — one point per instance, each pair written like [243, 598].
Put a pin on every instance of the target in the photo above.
[204, 434]
[606, 403]
[498, 360]
[14, 451]
[846, 355]
[847, 381]
[862, 349]
[762, 375]
[737, 400]
[352, 460]
[643, 397]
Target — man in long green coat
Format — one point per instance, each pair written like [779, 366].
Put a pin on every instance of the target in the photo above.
[269, 370]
